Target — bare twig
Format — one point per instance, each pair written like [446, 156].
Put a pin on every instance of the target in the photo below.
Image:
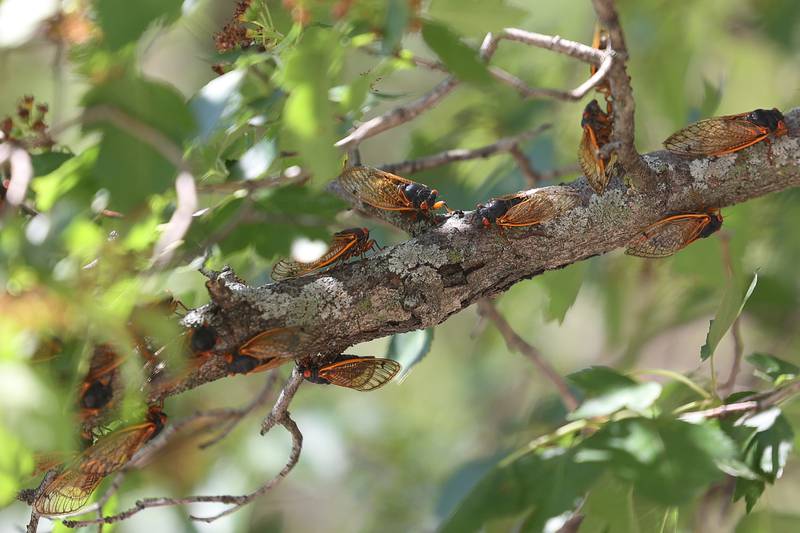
[506, 144]
[523, 163]
[33, 524]
[623, 132]
[515, 342]
[291, 175]
[284, 399]
[756, 403]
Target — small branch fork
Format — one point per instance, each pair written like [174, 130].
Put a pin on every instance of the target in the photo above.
[754, 404]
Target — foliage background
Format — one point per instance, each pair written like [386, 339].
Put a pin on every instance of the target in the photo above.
[402, 458]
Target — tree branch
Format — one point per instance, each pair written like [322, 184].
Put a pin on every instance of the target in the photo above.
[446, 268]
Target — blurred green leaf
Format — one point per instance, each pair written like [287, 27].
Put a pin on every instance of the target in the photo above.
[545, 485]
[123, 22]
[563, 287]
[311, 69]
[460, 59]
[668, 461]
[15, 463]
[768, 450]
[607, 392]
[55, 185]
[217, 101]
[749, 489]
[477, 17]
[712, 96]
[729, 310]
[410, 348]
[612, 506]
[48, 162]
[772, 368]
[397, 16]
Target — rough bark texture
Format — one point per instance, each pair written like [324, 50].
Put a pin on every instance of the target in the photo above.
[446, 268]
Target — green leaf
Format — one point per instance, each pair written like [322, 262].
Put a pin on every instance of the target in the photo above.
[396, 21]
[15, 463]
[750, 490]
[410, 348]
[771, 368]
[460, 59]
[712, 96]
[48, 162]
[544, 485]
[609, 507]
[768, 450]
[607, 392]
[667, 460]
[729, 310]
[123, 22]
[476, 17]
[311, 69]
[563, 287]
[55, 185]
[217, 101]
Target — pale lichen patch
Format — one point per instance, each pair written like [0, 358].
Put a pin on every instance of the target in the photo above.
[322, 299]
[786, 151]
[412, 255]
[609, 208]
[720, 166]
[698, 169]
[656, 164]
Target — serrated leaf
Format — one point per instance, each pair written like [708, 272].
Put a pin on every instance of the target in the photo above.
[729, 310]
[749, 489]
[123, 22]
[549, 485]
[667, 460]
[410, 348]
[460, 59]
[607, 392]
[771, 368]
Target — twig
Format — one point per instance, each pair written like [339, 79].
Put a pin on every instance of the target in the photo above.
[515, 342]
[550, 42]
[283, 401]
[290, 175]
[180, 221]
[506, 144]
[33, 524]
[525, 166]
[756, 403]
[624, 106]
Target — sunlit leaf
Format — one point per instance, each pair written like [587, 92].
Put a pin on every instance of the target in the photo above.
[562, 288]
[772, 368]
[607, 391]
[410, 348]
[729, 309]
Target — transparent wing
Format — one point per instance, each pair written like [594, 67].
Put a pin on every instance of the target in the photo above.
[342, 247]
[667, 236]
[66, 493]
[715, 136]
[539, 207]
[362, 374]
[376, 188]
[275, 343]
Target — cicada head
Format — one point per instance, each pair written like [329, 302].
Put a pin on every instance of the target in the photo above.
[714, 224]
[772, 119]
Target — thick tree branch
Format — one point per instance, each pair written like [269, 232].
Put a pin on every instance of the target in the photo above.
[446, 268]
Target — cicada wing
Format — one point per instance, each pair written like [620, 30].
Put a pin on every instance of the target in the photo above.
[539, 207]
[375, 187]
[715, 136]
[275, 343]
[592, 165]
[66, 493]
[343, 246]
[668, 236]
[360, 373]
[113, 451]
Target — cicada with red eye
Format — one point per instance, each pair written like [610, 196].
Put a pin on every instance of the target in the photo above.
[346, 244]
[674, 233]
[384, 190]
[68, 491]
[727, 134]
[527, 208]
[269, 349]
[358, 373]
[595, 164]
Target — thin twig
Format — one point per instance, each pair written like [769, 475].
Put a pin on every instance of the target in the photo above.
[523, 163]
[515, 342]
[461, 154]
[283, 401]
[756, 403]
[33, 524]
[622, 94]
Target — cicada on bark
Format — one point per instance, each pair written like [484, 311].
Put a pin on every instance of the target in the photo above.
[527, 208]
[269, 349]
[384, 190]
[674, 233]
[727, 134]
[357, 373]
[346, 244]
[595, 164]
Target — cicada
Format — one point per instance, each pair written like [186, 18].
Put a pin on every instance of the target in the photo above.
[727, 134]
[269, 349]
[596, 133]
[358, 373]
[345, 244]
[674, 233]
[384, 190]
[600, 41]
[202, 340]
[71, 488]
[102, 381]
[527, 208]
